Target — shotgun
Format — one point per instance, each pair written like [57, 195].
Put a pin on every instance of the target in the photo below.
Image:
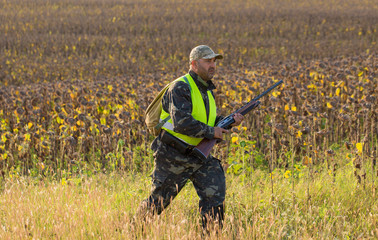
[203, 149]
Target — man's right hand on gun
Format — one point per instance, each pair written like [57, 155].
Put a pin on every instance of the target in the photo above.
[218, 131]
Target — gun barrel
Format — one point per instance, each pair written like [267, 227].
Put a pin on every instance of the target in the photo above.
[202, 150]
[268, 90]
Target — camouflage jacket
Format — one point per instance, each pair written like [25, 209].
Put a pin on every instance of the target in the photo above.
[177, 102]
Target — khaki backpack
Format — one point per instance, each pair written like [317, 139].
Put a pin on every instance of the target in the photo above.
[153, 111]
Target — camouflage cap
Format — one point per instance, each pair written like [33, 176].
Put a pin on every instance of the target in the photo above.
[203, 52]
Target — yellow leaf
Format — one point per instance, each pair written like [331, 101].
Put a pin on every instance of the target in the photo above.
[64, 182]
[337, 91]
[311, 86]
[299, 134]
[27, 137]
[80, 123]
[234, 139]
[4, 156]
[340, 84]
[286, 107]
[293, 108]
[4, 138]
[103, 121]
[359, 147]
[329, 105]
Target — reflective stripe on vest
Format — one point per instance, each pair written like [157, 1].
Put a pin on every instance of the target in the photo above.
[198, 111]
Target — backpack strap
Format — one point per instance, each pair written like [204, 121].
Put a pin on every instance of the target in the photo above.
[187, 81]
[160, 124]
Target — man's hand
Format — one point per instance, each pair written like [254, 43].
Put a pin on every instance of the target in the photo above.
[238, 119]
[218, 132]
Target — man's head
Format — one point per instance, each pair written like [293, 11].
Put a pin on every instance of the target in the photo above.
[202, 61]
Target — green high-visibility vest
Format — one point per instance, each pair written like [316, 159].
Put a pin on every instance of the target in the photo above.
[198, 111]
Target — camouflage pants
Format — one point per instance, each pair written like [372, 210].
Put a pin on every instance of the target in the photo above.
[173, 170]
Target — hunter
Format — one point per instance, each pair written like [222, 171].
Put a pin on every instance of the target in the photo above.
[190, 103]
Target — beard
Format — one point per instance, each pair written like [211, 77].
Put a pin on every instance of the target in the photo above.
[206, 74]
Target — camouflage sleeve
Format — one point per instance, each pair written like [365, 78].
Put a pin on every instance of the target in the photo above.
[177, 101]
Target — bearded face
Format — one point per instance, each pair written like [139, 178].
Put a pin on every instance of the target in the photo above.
[205, 68]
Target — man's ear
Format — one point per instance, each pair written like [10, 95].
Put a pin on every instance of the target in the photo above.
[194, 65]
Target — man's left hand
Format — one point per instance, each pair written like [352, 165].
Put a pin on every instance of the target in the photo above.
[238, 119]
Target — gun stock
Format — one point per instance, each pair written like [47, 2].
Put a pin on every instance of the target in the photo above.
[203, 149]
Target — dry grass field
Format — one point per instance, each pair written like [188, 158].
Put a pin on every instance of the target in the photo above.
[77, 75]
[102, 207]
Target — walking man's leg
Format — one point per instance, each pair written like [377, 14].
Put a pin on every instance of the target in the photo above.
[172, 171]
[210, 184]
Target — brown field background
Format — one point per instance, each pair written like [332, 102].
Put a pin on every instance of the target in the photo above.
[90, 39]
